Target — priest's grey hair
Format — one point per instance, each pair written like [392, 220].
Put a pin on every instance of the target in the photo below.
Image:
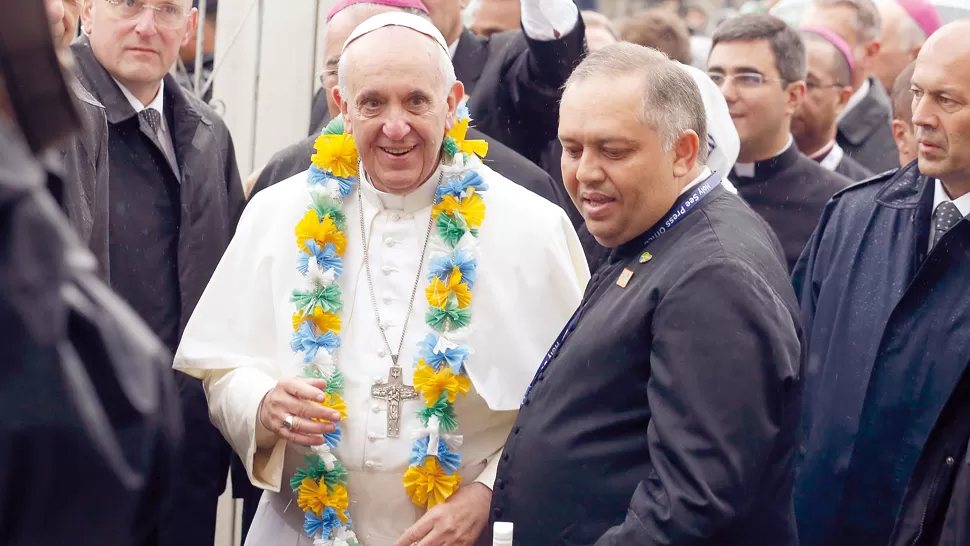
[445, 68]
[867, 24]
[671, 103]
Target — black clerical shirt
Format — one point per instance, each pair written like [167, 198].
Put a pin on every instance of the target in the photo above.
[677, 388]
[789, 192]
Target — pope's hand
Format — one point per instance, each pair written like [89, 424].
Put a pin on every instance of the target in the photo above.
[298, 398]
[457, 522]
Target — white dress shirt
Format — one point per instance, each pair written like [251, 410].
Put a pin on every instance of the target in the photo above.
[962, 204]
[164, 133]
[530, 279]
[543, 20]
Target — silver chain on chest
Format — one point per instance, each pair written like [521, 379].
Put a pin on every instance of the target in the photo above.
[370, 281]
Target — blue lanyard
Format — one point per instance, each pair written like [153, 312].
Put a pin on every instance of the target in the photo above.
[677, 214]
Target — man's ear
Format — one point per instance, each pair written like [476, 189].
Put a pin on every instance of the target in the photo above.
[900, 135]
[686, 150]
[86, 16]
[455, 95]
[344, 109]
[796, 92]
[190, 26]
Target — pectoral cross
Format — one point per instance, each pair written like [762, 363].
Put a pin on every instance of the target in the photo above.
[393, 391]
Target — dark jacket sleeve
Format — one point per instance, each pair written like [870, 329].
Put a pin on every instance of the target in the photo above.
[534, 78]
[805, 279]
[724, 359]
[234, 187]
[102, 197]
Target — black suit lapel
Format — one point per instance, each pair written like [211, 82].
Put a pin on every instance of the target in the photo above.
[469, 60]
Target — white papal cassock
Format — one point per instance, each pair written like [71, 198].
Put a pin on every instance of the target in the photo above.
[530, 279]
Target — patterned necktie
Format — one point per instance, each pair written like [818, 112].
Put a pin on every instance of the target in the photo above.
[152, 117]
[945, 217]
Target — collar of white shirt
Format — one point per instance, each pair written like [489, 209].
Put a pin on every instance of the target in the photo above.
[158, 103]
[705, 174]
[855, 99]
[748, 170]
[452, 48]
[962, 203]
[421, 197]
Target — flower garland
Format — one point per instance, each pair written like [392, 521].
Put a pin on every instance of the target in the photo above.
[439, 377]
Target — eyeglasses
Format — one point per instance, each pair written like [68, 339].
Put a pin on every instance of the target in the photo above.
[167, 14]
[813, 85]
[744, 80]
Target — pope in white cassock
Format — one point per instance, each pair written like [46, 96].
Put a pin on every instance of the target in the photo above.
[368, 337]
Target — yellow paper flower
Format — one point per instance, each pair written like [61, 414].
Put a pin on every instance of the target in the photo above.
[472, 208]
[438, 292]
[428, 485]
[323, 320]
[431, 383]
[312, 496]
[335, 402]
[339, 501]
[336, 154]
[322, 231]
[459, 132]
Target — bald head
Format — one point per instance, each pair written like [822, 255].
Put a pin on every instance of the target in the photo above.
[941, 107]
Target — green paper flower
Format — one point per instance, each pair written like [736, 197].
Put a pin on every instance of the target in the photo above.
[327, 298]
[324, 205]
[336, 383]
[449, 229]
[450, 317]
[335, 127]
[444, 411]
[449, 146]
[337, 476]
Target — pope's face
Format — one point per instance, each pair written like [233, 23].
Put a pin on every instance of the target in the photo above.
[613, 164]
[397, 107]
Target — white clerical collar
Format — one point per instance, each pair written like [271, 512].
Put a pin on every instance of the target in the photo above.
[962, 203]
[452, 48]
[705, 174]
[421, 197]
[832, 158]
[855, 99]
[158, 103]
[747, 170]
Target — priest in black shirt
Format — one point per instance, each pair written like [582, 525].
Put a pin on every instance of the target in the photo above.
[759, 63]
[666, 412]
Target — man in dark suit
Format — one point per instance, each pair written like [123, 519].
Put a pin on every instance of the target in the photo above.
[514, 79]
[865, 124]
[341, 22]
[667, 410]
[175, 199]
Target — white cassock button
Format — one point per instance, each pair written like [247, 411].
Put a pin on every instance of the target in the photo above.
[371, 436]
[376, 408]
[381, 353]
[387, 298]
[369, 464]
[386, 270]
[378, 379]
[389, 242]
[395, 217]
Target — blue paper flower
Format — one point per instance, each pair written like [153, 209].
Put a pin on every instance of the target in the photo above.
[442, 266]
[326, 258]
[312, 525]
[322, 526]
[321, 177]
[305, 340]
[450, 462]
[333, 438]
[459, 188]
[463, 110]
[454, 358]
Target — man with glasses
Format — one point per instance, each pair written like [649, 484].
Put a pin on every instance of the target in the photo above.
[828, 88]
[759, 63]
[175, 197]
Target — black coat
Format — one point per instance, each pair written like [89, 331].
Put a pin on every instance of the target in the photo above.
[90, 417]
[936, 507]
[886, 325]
[669, 414]
[295, 159]
[865, 133]
[84, 173]
[852, 169]
[789, 191]
[168, 232]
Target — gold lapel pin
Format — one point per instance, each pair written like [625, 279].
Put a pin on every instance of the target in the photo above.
[624, 278]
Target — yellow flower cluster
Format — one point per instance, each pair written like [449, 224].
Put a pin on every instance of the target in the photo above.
[336, 154]
[431, 383]
[428, 485]
[316, 496]
[322, 231]
[438, 292]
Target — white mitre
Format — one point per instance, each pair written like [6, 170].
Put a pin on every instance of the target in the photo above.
[398, 19]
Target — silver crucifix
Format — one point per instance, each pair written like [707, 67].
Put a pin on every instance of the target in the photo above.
[393, 391]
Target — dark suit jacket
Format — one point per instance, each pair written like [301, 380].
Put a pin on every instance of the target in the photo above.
[865, 133]
[295, 159]
[669, 414]
[852, 169]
